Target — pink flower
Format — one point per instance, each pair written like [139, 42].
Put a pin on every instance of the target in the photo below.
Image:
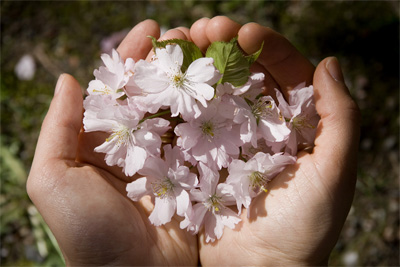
[131, 140]
[258, 118]
[212, 138]
[301, 117]
[251, 177]
[242, 116]
[211, 209]
[167, 181]
[271, 124]
[255, 81]
[166, 85]
[111, 78]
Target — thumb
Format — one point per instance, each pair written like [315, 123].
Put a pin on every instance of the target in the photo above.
[336, 143]
[58, 138]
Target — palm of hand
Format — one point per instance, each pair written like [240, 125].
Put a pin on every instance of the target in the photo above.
[280, 224]
[102, 225]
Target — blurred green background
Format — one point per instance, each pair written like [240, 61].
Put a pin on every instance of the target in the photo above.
[70, 36]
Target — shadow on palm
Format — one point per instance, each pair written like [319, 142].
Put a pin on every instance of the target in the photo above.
[103, 220]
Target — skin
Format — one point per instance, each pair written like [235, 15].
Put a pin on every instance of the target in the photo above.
[297, 222]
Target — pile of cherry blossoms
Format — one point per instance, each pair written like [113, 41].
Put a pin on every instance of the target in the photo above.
[179, 119]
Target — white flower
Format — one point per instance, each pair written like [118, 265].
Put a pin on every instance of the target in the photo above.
[167, 85]
[168, 181]
[242, 116]
[271, 125]
[251, 177]
[131, 141]
[257, 118]
[211, 209]
[111, 78]
[301, 117]
[255, 81]
[212, 138]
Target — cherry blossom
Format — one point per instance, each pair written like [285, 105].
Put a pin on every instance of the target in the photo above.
[211, 209]
[250, 178]
[111, 78]
[176, 116]
[255, 81]
[301, 117]
[167, 181]
[131, 140]
[166, 85]
[211, 138]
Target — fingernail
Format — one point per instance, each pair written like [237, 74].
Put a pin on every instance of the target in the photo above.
[333, 67]
[59, 84]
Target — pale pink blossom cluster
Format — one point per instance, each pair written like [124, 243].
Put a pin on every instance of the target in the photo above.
[216, 126]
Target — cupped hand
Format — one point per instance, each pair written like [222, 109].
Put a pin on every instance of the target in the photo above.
[83, 200]
[299, 220]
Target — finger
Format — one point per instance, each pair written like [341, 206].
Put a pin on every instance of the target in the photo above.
[287, 66]
[136, 44]
[186, 32]
[336, 143]
[198, 34]
[222, 28]
[59, 134]
[177, 33]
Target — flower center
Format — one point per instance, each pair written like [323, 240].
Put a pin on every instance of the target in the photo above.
[213, 203]
[301, 122]
[121, 133]
[261, 109]
[258, 180]
[178, 80]
[208, 129]
[163, 188]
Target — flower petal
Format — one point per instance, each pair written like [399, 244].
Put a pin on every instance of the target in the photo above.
[182, 200]
[150, 78]
[164, 209]
[138, 188]
[202, 70]
[194, 220]
[170, 58]
[135, 159]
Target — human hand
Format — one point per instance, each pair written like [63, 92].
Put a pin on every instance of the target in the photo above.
[83, 200]
[299, 220]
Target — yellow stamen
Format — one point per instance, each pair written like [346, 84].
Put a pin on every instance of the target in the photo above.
[163, 188]
[258, 180]
[208, 128]
[213, 203]
[121, 133]
[104, 91]
[302, 122]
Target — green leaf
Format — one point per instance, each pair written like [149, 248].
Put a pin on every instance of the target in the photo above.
[253, 57]
[231, 62]
[190, 51]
